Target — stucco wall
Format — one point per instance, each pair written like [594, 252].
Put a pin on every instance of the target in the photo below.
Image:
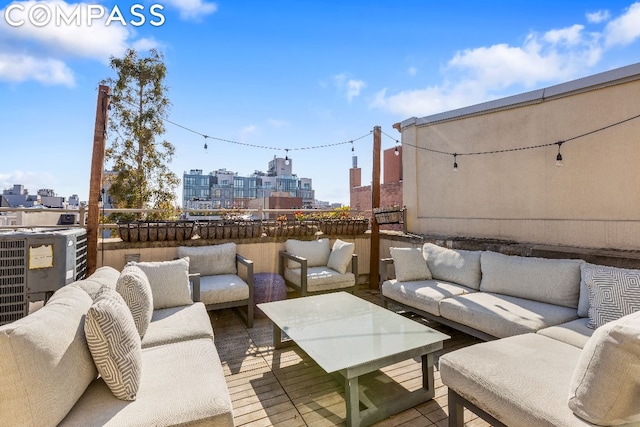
[592, 201]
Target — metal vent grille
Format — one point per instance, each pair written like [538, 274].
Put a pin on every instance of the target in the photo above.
[81, 256]
[13, 296]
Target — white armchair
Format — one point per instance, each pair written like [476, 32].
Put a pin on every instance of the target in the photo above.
[221, 284]
[313, 267]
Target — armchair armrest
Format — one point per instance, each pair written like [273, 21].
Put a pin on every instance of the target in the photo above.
[194, 280]
[354, 266]
[240, 260]
[384, 263]
[283, 256]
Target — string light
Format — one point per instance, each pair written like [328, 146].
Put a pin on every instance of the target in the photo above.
[286, 157]
[559, 156]
[396, 151]
[455, 163]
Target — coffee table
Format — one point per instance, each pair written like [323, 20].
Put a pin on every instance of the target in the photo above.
[348, 335]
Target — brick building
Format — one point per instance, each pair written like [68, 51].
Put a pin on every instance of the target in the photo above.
[390, 188]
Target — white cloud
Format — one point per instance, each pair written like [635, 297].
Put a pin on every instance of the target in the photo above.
[278, 124]
[598, 17]
[32, 181]
[193, 9]
[625, 29]
[412, 71]
[484, 73]
[247, 131]
[42, 53]
[353, 88]
[18, 68]
[350, 87]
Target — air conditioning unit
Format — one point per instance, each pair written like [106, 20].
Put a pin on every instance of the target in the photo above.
[36, 263]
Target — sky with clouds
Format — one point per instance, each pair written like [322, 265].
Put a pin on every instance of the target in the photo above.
[280, 78]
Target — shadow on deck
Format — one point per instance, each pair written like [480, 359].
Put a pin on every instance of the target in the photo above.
[287, 388]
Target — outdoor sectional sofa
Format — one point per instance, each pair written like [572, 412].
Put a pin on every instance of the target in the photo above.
[563, 335]
[65, 363]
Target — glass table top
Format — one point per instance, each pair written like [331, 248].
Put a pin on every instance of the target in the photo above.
[339, 330]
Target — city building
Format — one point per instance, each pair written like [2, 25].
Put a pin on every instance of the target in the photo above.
[390, 189]
[226, 189]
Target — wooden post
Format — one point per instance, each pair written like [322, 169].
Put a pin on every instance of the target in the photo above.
[95, 183]
[374, 270]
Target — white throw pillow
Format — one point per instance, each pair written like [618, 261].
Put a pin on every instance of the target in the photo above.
[409, 264]
[606, 381]
[613, 293]
[114, 343]
[133, 285]
[169, 282]
[315, 251]
[340, 256]
[210, 260]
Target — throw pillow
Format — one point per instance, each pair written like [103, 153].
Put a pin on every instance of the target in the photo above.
[210, 260]
[340, 256]
[613, 293]
[315, 251]
[133, 286]
[409, 264]
[606, 381]
[169, 281]
[114, 343]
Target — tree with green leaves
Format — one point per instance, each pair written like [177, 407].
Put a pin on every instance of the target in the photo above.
[138, 155]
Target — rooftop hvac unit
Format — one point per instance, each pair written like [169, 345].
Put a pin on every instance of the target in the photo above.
[35, 264]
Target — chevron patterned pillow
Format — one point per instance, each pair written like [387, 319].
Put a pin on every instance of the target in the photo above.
[133, 285]
[613, 293]
[114, 343]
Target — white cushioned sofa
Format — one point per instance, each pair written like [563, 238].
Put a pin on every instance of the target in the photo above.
[563, 335]
[84, 360]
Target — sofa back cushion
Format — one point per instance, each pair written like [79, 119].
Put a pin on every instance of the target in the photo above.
[553, 281]
[46, 364]
[315, 251]
[103, 276]
[453, 265]
[606, 381]
[169, 281]
[210, 260]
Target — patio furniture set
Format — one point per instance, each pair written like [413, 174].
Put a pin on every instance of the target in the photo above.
[136, 347]
[564, 335]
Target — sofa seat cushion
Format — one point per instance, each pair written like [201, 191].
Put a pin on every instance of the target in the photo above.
[223, 288]
[453, 265]
[554, 281]
[45, 363]
[521, 381]
[177, 324]
[575, 332]
[182, 384]
[503, 316]
[320, 278]
[423, 295]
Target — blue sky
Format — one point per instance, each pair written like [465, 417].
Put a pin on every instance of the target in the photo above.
[287, 75]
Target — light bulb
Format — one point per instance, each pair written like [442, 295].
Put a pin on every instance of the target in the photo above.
[396, 151]
[455, 163]
[559, 160]
[286, 160]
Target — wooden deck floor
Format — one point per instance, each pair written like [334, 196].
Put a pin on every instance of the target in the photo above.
[287, 388]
